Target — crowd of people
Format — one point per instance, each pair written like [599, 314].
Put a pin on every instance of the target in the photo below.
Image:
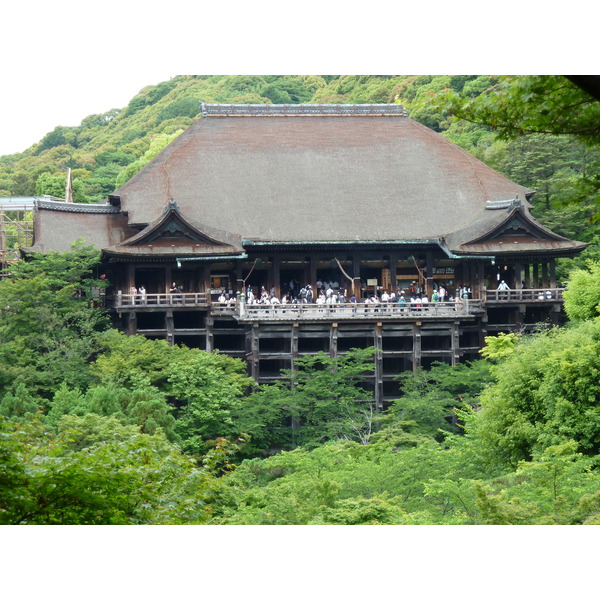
[331, 293]
[325, 293]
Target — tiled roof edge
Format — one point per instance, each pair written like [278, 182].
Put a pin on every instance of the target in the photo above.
[77, 207]
[301, 109]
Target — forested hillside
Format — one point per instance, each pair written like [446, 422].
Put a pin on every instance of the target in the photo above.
[97, 427]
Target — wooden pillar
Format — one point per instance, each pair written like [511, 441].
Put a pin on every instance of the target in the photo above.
[312, 275]
[333, 337]
[239, 279]
[536, 276]
[210, 338]
[132, 323]
[552, 265]
[528, 276]
[252, 348]
[519, 318]
[545, 280]
[293, 347]
[130, 277]
[356, 275]
[518, 277]
[455, 343]
[276, 266]
[205, 280]
[393, 272]
[270, 275]
[416, 346]
[170, 327]
[378, 344]
[168, 278]
[429, 282]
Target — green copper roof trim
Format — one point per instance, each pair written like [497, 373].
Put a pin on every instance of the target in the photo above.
[450, 254]
[341, 243]
[433, 242]
[220, 257]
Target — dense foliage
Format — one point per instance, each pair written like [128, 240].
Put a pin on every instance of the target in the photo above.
[100, 427]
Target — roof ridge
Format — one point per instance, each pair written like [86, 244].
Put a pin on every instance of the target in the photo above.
[301, 109]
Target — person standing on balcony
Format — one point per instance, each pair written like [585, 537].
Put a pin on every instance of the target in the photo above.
[133, 292]
[142, 292]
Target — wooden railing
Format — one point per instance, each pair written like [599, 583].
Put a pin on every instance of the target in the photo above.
[178, 299]
[328, 312]
[325, 312]
[525, 295]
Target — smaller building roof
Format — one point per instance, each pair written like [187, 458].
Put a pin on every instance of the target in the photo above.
[507, 227]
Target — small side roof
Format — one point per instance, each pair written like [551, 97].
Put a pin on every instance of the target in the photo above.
[507, 227]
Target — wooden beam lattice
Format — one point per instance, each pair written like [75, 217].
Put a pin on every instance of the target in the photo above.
[16, 232]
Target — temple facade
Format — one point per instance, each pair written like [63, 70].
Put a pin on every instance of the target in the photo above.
[425, 249]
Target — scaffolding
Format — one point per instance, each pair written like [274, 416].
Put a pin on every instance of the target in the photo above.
[16, 229]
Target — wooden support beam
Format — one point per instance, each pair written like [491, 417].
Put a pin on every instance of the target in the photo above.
[378, 344]
[479, 288]
[393, 272]
[356, 275]
[455, 343]
[518, 277]
[132, 323]
[293, 347]
[416, 358]
[429, 280]
[333, 338]
[210, 338]
[312, 277]
[545, 279]
[169, 325]
[254, 350]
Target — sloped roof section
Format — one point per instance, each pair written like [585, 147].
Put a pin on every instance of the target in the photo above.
[287, 175]
[172, 234]
[507, 227]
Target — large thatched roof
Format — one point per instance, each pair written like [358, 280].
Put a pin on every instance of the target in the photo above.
[299, 177]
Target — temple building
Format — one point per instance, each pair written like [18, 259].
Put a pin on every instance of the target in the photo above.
[359, 199]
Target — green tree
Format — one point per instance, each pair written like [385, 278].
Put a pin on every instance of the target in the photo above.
[429, 397]
[49, 321]
[96, 471]
[54, 184]
[157, 143]
[322, 399]
[20, 405]
[582, 296]
[516, 105]
[206, 389]
[184, 107]
[546, 393]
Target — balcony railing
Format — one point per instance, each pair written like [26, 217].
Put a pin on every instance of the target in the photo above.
[525, 295]
[315, 312]
[332, 312]
[166, 300]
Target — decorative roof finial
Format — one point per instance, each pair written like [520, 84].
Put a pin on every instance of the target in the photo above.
[171, 205]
